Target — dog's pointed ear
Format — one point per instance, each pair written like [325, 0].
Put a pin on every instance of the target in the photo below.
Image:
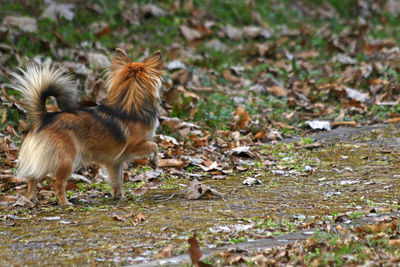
[120, 58]
[155, 61]
[120, 52]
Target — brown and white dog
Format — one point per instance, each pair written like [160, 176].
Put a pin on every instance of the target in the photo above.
[121, 129]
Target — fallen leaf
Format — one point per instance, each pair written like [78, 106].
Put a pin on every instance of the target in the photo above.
[229, 76]
[357, 95]
[277, 91]
[196, 190]
[25, 24]
[319, 125]
[122, 217]
[56, 10]
[393, 120]
[189, 33]
[166, 252]
[146, 176]
[377, 228]
[251, 181]
[152, 10]
[252, 32]
[23, 201]
[98, 60]
[241, 118]
[344, 59]
[139, 218]
[100, 29]
[241, 151]
[261, 135]
[171, 163]
[79, 178]
[233, 33]
[394, 242]
[175, 65]
[7, 201]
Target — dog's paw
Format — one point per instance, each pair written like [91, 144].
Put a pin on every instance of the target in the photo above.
[154, 163]
[66, 204]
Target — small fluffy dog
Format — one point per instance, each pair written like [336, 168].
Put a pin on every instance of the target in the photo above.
[121, 129]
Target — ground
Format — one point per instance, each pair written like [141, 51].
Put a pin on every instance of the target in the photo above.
[245, 83]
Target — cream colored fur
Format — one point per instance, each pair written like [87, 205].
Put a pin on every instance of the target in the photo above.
[37, 158]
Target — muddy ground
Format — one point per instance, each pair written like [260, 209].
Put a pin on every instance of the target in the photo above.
[341, 176]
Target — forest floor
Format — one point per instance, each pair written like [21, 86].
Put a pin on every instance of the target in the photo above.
[252, 97]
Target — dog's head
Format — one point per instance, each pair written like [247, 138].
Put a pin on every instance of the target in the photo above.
[134, 84]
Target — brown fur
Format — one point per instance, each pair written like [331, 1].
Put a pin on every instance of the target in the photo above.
[122, 129]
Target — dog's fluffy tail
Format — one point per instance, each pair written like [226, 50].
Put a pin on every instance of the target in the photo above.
[38, 82]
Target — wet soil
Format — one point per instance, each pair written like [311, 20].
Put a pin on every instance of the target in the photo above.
[352, 173]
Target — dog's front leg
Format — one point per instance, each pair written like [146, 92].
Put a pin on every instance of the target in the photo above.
[115, 172]
[145, 149]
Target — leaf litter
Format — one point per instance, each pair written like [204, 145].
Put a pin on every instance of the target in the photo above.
[273, 67]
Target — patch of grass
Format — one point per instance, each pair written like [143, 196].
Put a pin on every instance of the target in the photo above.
[215, 112]
[237, 240]
[104, 187]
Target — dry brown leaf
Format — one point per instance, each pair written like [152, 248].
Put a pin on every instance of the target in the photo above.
[189, 33]
[233, 33]
[171, 163]
[279, 125]
[252, 32]
[370, 48]
[100, 29]
[122, 217]
[341, 229]
[6, 201]
[229, 76]
[345, 123]
[152, 10]
[196, 190]
[376, 228]
[140, 191]
[10, 129]
[377, 81]
[394, 242]
[139, 218]
[25, 24]
[265, 49]
[261, 135]
[166, 252]
[241, 118]
[277, 91]
[3, 116]
[393, 120]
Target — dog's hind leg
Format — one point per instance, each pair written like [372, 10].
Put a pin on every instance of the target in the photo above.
[32, 185]
[62, 173]
[116, 177]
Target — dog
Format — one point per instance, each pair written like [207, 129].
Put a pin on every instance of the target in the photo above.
[120, 129]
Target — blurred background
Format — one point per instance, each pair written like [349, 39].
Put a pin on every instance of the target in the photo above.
[284, 62]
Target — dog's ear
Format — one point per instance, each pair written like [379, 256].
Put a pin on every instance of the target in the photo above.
[155, 62]
[120, 57]
[120, 52]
